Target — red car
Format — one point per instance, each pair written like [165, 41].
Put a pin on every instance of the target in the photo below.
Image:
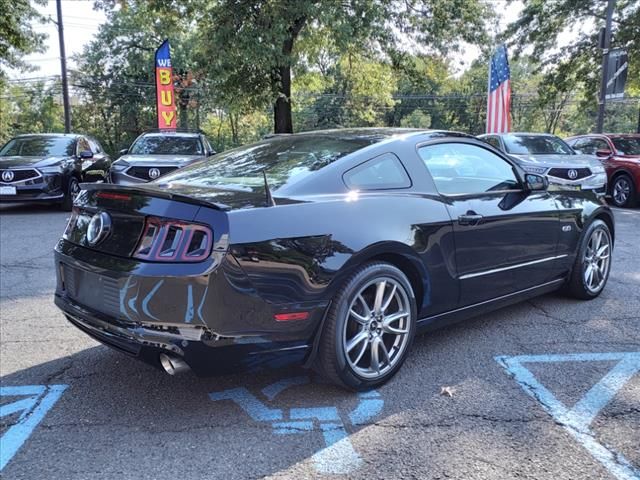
[620, 155]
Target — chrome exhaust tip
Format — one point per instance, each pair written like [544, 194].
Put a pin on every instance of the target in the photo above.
[173, 365]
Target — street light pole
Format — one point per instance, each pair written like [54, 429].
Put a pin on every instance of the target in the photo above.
[63, 68]
[605, 63]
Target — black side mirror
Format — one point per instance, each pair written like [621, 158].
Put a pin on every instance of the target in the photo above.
[211, 153]
[124, 151]
[86, 154]
[536, 182]
[603, 153]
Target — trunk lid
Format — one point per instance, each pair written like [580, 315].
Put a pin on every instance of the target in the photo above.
[128, 208]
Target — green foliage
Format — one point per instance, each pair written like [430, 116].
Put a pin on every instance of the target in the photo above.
[416, 119]
[33, 108]
[575, 68]
[17, 36]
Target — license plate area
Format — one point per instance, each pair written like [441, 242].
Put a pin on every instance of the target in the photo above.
[92, 290]
[8, 191]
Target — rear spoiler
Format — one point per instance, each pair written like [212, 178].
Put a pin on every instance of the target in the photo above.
[152, 192]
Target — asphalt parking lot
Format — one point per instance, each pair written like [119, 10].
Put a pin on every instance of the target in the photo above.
[548, 389]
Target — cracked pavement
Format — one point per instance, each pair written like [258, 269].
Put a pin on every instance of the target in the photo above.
[123, 419]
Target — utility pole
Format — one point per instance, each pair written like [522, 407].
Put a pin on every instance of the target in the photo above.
[606, 44]
[63, 68]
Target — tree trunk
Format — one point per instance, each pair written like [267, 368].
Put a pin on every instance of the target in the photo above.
[282, 119]
[281, 78]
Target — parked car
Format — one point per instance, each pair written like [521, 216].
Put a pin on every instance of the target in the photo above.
[49, 168]
[620, 155]
[330, 248]
[548, 155]
[157, 153]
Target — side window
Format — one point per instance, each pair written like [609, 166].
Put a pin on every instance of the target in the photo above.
[208, 146]
[95, 146]
[380, 173]
[493, 141]
[459, 169]
[600, 144]
[586, 146]
[83, 145]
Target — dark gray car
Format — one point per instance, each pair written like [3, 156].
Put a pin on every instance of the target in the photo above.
[546, 154]
[154, 154]
[48, 168]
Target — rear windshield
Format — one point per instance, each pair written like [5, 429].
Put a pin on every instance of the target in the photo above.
[281, 158]
[39, 147]
[166, 145]
[628, 145]
[536, 145]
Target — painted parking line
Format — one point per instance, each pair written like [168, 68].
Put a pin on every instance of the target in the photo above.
[37, 401]
[338, 456]
[578, 419]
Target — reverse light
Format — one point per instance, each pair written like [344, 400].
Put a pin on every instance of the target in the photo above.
[166, 240]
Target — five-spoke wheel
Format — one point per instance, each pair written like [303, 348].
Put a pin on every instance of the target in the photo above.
[369, 327]
[623, 191]
[376, 330]
[593, 262]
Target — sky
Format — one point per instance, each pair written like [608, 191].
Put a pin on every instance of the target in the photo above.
[81, 22]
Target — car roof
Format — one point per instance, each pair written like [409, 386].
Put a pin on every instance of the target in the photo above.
[61, 135]
[377, 133]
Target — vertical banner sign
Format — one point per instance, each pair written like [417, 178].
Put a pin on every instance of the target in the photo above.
[165, 97]
[617, 73]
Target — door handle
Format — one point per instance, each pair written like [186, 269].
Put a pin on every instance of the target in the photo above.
[470, 219]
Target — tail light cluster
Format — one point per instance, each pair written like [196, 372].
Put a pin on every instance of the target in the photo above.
[174, 241]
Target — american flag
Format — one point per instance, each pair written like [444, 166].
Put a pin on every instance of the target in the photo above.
[499, 98]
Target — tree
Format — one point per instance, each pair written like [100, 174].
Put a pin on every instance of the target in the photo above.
[251, 45]
[17, 36]
[30, 108]
[576, 66]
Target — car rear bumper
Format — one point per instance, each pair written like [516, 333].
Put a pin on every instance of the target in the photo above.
[208, 355]
[212, 320]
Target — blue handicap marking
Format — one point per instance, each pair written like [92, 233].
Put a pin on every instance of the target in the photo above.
[36, 402]
[577, 420]
[338, 456]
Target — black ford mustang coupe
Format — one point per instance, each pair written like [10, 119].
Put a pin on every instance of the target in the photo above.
[331, 248]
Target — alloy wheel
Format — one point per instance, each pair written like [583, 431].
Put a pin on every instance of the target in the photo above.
[621, 191]
[597, 256]
[377, 327]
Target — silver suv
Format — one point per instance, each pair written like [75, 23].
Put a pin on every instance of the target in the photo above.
[546, 154]
[157, 153]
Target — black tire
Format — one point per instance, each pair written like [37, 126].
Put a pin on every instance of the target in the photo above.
[332, 356]
[623, 191]
[73, 187]
[578, 285]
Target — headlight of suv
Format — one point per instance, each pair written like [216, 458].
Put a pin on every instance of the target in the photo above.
[119, 167]
[532, 169]
[51, 169]
[597, 169]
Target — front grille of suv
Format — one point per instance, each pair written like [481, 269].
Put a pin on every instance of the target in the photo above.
[564, 173]
[143, 172]
[20, 175]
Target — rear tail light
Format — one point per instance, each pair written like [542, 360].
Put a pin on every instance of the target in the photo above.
[174, 241]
